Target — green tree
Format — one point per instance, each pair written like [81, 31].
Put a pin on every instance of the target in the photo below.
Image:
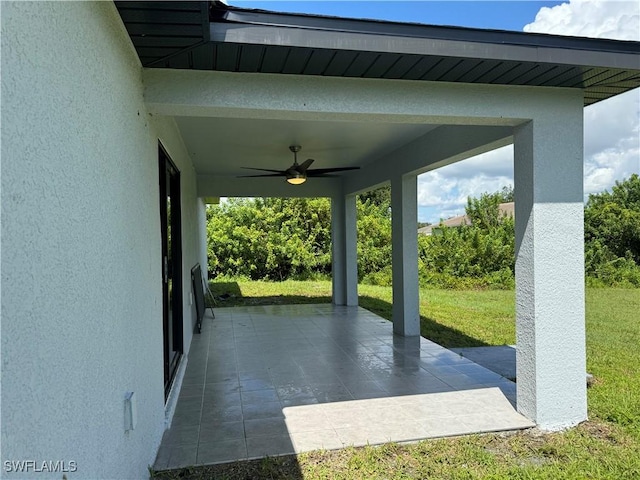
[380, 196]
[269, 238]
[613, 219]
[280, 238]
[478, 255]
[612, 234]
[374, 239]
[484, 212]
[507, 194]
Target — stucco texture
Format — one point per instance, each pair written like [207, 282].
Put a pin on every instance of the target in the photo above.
[81, 252]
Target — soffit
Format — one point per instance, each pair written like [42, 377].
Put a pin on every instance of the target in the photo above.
[222, 146]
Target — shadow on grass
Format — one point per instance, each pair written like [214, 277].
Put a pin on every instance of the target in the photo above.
[429, 328]
[228, 294]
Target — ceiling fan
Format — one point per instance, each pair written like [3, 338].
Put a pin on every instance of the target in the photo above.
[297, 173]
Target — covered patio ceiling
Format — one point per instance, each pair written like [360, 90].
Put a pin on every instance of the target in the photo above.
[258, 143]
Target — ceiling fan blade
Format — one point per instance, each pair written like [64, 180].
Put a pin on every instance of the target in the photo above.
[320, 171]
[281, 172]
[297, 171]
[263, 175]
[304, 165]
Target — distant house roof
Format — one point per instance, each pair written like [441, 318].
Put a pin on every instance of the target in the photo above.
[215, 36]
[505, 209]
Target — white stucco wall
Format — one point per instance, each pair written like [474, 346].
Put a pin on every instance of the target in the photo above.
[81, 254]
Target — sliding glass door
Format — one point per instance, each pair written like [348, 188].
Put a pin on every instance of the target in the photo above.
[171, 266]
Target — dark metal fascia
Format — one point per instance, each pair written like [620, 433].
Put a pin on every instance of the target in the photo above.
[417, 30]
[269, 35]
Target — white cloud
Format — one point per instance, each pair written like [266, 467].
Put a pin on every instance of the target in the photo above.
[611, 141]
[611, 127]
[497, 163]
[613, 19]
[443, 193]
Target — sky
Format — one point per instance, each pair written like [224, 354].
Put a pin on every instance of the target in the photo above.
[611, 127]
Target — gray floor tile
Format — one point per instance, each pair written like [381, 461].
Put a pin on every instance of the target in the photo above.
[221, 432]
[289, 391]
[255, 384]
[215, 389]
[259, 396]
[284, 379]
[326, 377]
[195, 390]
[214, 376]
[269, 445]
[300, 400]
[460, 381]
[331, 393]
[434, 386]
[265, 410]
[214, 414]
[255, 374]
[183, 456]
[181, 435]
[220, 452]
[221, 398]
[194, 378]
[163, 457]
[404, 389]
[183, 418]
[196, 367]
[265, 427]
[366, 387]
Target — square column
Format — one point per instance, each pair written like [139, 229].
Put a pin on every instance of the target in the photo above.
[203, 257]
[344, 252]
[404, 238]
[550, 319]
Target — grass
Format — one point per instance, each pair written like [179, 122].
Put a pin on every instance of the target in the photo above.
[605, 447]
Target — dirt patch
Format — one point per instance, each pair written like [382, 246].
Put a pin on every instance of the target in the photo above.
[604, 432]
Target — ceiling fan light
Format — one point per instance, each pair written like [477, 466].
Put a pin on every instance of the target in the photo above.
[296, 178]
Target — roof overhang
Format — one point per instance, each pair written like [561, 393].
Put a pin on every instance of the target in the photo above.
[391, 98]
[215, 36]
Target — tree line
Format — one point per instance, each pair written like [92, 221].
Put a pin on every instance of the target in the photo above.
[279, 239]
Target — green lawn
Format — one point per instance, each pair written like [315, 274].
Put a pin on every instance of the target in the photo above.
[607, 446]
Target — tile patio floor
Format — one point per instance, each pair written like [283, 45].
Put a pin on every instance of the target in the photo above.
[273, 380]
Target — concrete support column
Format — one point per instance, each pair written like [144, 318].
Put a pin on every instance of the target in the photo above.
[404, 224]
[550, 321]
[344, 253]
[202, 237]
